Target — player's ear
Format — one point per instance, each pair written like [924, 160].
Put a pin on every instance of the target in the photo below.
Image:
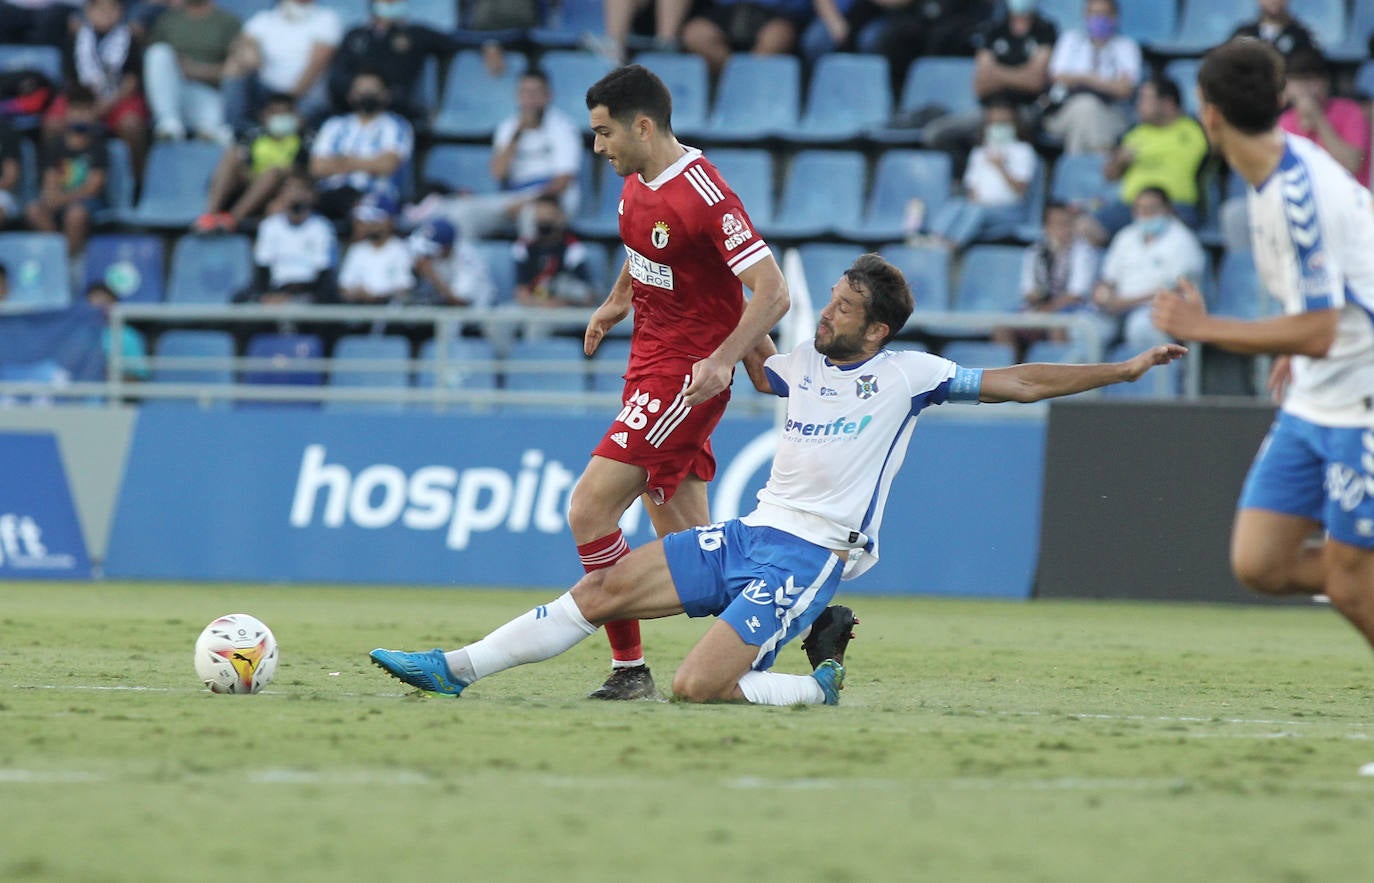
[644, 127]
[876, 332]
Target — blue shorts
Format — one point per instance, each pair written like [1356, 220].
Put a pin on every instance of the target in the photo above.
[766, 583]
[1325, 473]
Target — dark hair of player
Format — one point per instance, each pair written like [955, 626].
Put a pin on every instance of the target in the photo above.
[1244, 79]
[887, 297]
[631, 90]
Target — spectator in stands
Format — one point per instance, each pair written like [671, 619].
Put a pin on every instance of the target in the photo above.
[1165, 149]
[186, 61]
[10, 172]
[551, 268]
[916, 28]
[42, 22]
[659, 19]
[1057, 275]
[377, 267]
[1094, 71]
[1148, 256]
[844, 26]
[102, 54]
[251, 173]
[1012, 63]
[75, 168]
[449, 270]
[1279, 28]
[133, 350]
[294, 251]
[995, 182]
[763, 27]
[363, 151]
[288, 49]
[393, 47]
[535, 152]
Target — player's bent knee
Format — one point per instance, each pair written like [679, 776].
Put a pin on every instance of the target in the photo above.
[1267, 577]
[691, 686]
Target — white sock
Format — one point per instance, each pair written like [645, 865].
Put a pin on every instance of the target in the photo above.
[540, 634]
[772, 688]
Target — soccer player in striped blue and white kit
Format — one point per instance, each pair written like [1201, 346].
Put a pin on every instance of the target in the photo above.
[852, 405]
[1312, 231]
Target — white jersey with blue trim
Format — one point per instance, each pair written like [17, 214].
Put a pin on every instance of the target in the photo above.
[846, 435]
[1312, 231]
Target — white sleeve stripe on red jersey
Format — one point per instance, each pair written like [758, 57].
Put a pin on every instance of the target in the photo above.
[703, 185]
[751, 252]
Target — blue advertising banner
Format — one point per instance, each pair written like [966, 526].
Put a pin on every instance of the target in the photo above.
[466, 499]
[39, 534]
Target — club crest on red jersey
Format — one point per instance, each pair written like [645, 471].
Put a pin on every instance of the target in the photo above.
[659, 236]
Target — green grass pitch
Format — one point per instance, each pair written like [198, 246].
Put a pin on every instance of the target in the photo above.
[975, 741]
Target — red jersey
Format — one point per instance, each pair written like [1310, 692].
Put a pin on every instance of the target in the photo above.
[687, 238]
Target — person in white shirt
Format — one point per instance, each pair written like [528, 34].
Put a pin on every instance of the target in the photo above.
[376, 269]
[361, 152]
[995, 181]
[448, 268]
[295, 249]
[1149, 255]
[285, 49]
[852, 406]
[1094, 71]
[1312, 235]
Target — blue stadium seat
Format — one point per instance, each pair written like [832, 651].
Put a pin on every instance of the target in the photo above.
[45, 59]
[462, 369]
[1364, 79]
[119, 183]
[28, 171]
[990, 279]
[1355, 44]
[37, 266]
[1325, 18]
[1238, 292]
[570, 75]
[927, 272]
[174, 194]
[565, 371]
[749, 172]
[502, 266]
[598, 215]
[901, 176]
[283, 349]
[1055, 352]
[351, 12]
[823, 193]
[1065, 14]
[441, 15]
[1078, 179]
[758, 97]
[245, 9]
[849, 94]
[464, 167]
[569, 23]
[823, 263]
[1147, 21]
[209, 269]
[474, 101]
[1206, 23]
[979, 354]
[381, 347]
[181, 344]
[131, 265]
[597, 260]
[687, 79]
[1183, 71]
[931, 82]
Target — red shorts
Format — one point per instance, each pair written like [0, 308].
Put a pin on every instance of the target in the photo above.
[658, 433]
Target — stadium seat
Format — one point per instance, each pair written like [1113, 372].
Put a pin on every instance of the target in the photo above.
[1053, 351]
[687, 79]
[990, 279]
[849, 94]
[37, 266]
[44, 59]
[1065, 14]
[823, 193]
[569, 23]
[245, 9]
[1147, 21]
[173, 194]
[749, 172]
[380, 348]
[182, 344]
[930, 83]
[131, 265]
[474, 101]
[351, 12]
[979, 354]
[283, 349]
[1364, 79]
[607, 366]
[1206, 23]
[1354, 46]
[597, 260]
[926, 271]
[119, 183]
[28, 171]
[1239, 293]
[209, 269]
[598, 214]
[901, 176]
[564, 369]
[1183, 71]
[441, 15]
[1078, 179]
[464, 368]
[1325, 18]
[758, 97]
[502, 266]
[463, 167]
[823, 263]
[570, 75]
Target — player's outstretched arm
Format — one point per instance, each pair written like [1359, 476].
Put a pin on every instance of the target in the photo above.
[1033, 382]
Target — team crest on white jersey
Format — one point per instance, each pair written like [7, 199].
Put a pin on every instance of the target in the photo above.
[659, 237]
[866, 386]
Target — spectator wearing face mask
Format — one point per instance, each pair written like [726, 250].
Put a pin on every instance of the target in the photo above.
[995, 182]
[551, 267]
[377, 267]
[250, 173]
[449, 269]
[1094, 70]
[360, 152]
[286, 49]
[294, 251]
[393, 47]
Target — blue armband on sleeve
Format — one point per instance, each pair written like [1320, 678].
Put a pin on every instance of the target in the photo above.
[966, 385]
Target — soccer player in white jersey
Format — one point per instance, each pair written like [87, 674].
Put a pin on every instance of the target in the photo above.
[851, 408]
[1312, 230]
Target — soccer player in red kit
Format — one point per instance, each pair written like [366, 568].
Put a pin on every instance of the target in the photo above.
[690, 247]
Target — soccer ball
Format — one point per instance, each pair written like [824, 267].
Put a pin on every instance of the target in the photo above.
[236, 654]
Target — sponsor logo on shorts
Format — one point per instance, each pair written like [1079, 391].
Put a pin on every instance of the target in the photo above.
[757, 592]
